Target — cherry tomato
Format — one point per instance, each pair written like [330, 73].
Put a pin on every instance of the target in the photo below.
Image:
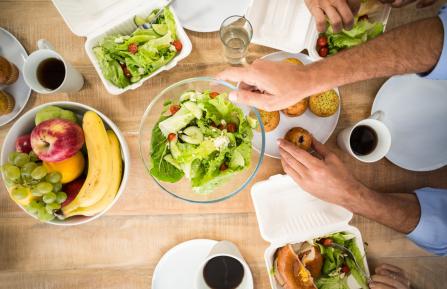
[132, 48]
[178, 45]
[171, 136]
[126, 71]
[327, 242]
[174, 108]
[223, 167]
[363, 17]
[323, 51]
[345, 269]
[231, 127]
[322, 41]
[213, 125]
[213, 94]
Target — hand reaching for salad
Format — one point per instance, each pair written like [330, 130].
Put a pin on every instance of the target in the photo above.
[389, 277]
[340, 13]
[270, 85]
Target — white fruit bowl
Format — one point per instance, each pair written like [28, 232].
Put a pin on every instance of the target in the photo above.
[25, 124]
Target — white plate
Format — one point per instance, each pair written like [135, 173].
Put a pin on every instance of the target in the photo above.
[178, 267]
[11, 49]
[320, 127]
[415, 112]
[207, 15]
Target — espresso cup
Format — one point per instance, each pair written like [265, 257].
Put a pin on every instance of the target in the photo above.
[382, 135]
[226, 249]
[72, 82]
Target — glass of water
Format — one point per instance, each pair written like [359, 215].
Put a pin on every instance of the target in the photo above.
[236, 33]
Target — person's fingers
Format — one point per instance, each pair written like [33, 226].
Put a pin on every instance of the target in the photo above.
[334, 17]
[243, 85]
[386, 1]
[401, 3]
[320, 148]
[320, 19]
[377, 285]
[394, 275]
[346, 14]
[390, 281]
[391, 268]
[237, 74]
[425, 3]
[291, 172]
[300, 155]
[355, 6]
[251, 98]
[294, 163]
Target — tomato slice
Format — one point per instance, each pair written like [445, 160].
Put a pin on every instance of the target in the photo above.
[231, 127]
[178, 45]
[171, 137]
[174, 108]
[214, 94]
[132, 48]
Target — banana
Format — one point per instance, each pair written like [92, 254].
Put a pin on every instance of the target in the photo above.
[99, 163]
[117, 171]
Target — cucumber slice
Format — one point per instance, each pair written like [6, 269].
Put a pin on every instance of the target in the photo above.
[252, 122]
[237, 160]
[194, 109]
[160, 29]
[192, 135]
[139, 20]
[152, 15]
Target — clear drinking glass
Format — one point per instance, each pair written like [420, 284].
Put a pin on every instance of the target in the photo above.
[235, 33]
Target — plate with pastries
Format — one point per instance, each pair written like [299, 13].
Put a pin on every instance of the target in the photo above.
[14, 93]
[316, 115]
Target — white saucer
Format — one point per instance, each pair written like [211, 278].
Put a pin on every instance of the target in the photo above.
[415, 111]
[178, 267]
[207, 15]
[11, 49]
[320, 127]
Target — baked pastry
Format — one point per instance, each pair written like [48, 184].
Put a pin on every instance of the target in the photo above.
[269, 119]
[293, 61]
[297, 109]
[324, 104]
[7, 103]
[8, 72]
[299, 137]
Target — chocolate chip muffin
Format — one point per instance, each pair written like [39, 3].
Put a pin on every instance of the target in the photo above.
[299, 137]
[8, 72]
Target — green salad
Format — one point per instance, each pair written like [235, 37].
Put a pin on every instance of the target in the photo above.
[125, 59]
[204, 138]
[337, 266]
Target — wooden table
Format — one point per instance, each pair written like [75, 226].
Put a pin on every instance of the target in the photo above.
[122, 248]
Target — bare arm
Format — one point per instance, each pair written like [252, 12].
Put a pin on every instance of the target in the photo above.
[411, 48]
[329, 180]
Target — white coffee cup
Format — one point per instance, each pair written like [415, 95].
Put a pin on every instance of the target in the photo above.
[72, 82]
[225, 248]
[382, 133]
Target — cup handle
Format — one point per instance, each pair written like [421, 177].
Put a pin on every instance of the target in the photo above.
[44, 44]
[378, 115]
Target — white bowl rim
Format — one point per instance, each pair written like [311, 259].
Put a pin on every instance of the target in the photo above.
[110, 123]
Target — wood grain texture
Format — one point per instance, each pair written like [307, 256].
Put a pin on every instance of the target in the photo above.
[122, 248]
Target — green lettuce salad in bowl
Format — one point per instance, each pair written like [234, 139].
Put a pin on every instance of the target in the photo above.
[196, 144]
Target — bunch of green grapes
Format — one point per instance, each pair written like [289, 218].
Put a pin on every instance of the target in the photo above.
[30, 184]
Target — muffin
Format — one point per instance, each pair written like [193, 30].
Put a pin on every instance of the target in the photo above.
[297, 109]
[324, 104]
[299, 137]
[269, 119]
[7, 103]
[8, 72]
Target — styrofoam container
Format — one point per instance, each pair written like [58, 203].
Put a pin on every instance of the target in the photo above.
[25, 124]
[287, 215]
[96, 19]
[288, 25]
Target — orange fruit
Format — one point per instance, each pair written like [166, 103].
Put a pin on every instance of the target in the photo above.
[70, 168]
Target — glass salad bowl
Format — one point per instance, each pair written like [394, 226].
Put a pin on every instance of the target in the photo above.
[192, 148]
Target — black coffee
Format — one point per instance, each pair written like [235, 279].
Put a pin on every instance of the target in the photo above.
[363, 140]
[51, 73]
[223, 272]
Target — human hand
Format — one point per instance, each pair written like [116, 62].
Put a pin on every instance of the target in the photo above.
[401, 3]
[327, 178]
[270, 85]
[340, 13]
[389, 277]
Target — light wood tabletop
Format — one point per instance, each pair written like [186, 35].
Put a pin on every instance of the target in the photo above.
[122, 248]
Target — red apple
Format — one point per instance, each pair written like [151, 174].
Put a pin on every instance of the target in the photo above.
[23, 144]
[57, 139]
[72, 189]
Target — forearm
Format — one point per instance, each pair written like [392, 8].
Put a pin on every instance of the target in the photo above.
[411, 48]
[400, 212]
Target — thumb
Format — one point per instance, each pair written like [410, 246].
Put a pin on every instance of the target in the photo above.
[320, 148]
[251, 98]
